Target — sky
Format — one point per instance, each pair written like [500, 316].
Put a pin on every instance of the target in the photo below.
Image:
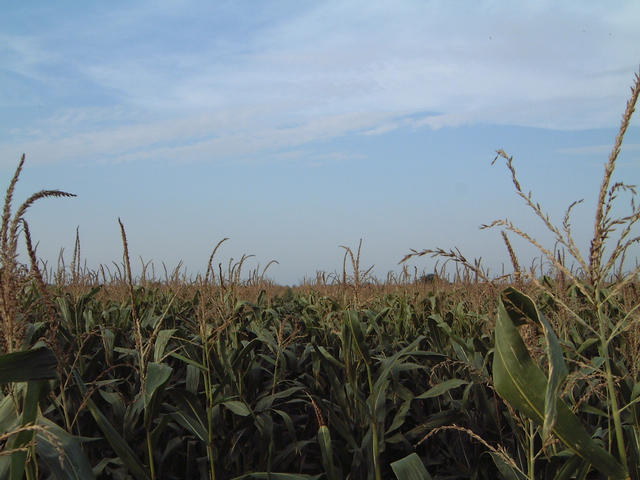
[295, 127]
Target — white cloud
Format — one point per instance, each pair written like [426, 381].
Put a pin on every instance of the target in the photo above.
[198, 138]
[598, 149]
[325, 71]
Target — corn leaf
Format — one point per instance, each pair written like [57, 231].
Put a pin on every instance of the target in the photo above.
[507, 469]
[119, 444]
[28, 365]
[161, 343]
[355, 327]
[410, 468]
[326, 449]
[157, 376]
[237, 407]
[442, 388]
[521, 382]
[515, 303]
[62, 453]
[29, 414]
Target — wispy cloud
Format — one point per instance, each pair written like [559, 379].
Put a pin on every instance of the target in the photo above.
[598, 149]
[161, 82]
[195, 138]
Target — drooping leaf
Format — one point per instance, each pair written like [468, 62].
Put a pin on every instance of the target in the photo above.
[192, 381]
[237, 407]
[351, 317]
[8, 418]
[507, 469]
[29, 414]
[62, 453]
[161, 343]
[326, 450]
[157, 376]
[28, 365]
[519, 302]
[442, 388]
[189, 361]
[190, 413]
[410, 468]
[572, 469]
[328, 357]
[119, 444]
[521, 382]
[108, 340]
[399, 417]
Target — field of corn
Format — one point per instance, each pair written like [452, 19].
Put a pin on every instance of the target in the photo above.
[533, 375]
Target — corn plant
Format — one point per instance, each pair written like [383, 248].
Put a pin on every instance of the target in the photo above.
[600, 281]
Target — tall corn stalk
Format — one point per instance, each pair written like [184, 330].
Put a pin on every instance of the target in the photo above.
[599, 269]
[34, 365]
[517, 377]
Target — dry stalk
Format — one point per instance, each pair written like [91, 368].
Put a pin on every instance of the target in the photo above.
[75, 261]
[51, 337]
[567, 242]
[134, 314]
[550, 256]
[316, 409]
[500, 450]
[10, 275]
[38, 429]
[264, 271]
[210, 262]
[514, 259]
[358, 278]
[603, 207]
[237, 269]
[455, 256]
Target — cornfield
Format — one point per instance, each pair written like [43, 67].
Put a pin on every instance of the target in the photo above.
[534, 375]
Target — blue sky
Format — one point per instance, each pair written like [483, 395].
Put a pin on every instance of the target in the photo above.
[294, 127]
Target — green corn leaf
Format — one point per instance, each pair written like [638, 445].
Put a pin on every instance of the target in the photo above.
[398, 419]
[326, 449]
[328, 357]
[245, 352]
[379, 400]
[189, 413]
[268, 400]
[570, 469]
[237, 407]
[393, 362]
[8, 418]
[442, 388]
[188, 361]
[119, 444]
[28, 365]
[29, 414]
[192, 382]
[521, 382]
[410, 468]
[351, 318]
[516, 302]
[62, 453]
[65, 312]
[161, 343]
[586, 344]
[288, 422]
[191, 424]
[506, 468]
[157, 376]
[108, 340]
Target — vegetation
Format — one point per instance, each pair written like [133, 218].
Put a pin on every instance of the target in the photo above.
[534, 375]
